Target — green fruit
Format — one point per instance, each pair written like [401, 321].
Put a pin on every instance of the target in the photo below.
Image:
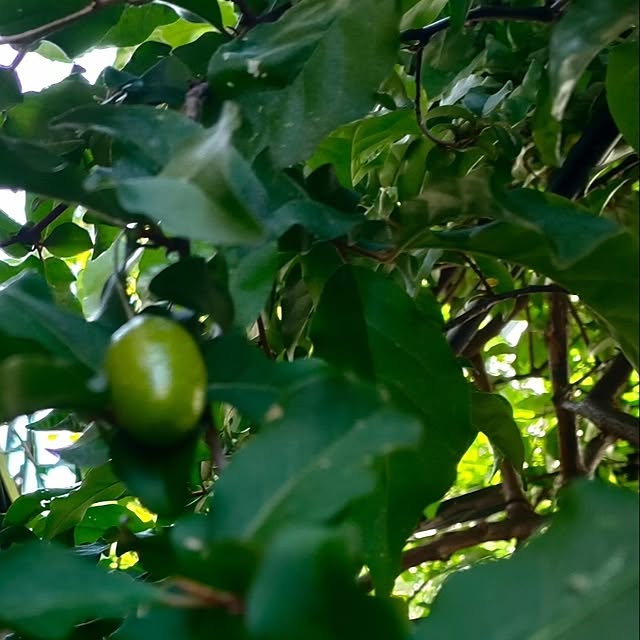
[157, 380]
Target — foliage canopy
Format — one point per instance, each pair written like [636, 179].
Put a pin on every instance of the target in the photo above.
[404, 234]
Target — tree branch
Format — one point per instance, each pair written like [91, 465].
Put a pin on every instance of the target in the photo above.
[448, 543]
[27, 37]
[559, 373]
[483, 14]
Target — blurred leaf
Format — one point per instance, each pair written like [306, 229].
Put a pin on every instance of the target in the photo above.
[10, 93]
[580, 578]
[582, 32]
[367, 324]
[339, 428]
[159, 477]
[209, 179]
[622, 90]
[67, 511]
[158, 134]
[323, 602]
[99, 519]
[17, 16]
[27, 311]
[251, 280]
[192, 283]
[90, 450]
[459, 10]
[492, 414]
[70, 590]
[422, 13]
[32, 382]
[210, 11]
[67, 240]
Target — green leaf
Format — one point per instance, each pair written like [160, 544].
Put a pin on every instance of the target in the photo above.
[136, 24]
[31, 382]
[582, 32]
[210, 11]
[324, 601]
[251, 280]
[67, 240]
[592, 257]
[458, 10]
[98, 519]
[622, 90]
[366, 323]
[211, 181]
[70, 590]
[159, 477]
[158, 134]
[422, 13]
[580, 578]
[300, 74]
[492, 414]
[10, 93]
[67, 511]
[27, 311]
[192, 283]
[16, 17]
[339, 429]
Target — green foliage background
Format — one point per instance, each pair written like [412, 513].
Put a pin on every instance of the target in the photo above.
[405, 236]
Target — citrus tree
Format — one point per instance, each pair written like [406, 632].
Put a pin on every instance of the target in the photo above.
[338, 298]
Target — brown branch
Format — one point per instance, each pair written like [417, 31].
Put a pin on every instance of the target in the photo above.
[263, 340]
[37, 33]
[609, 420]
[194, 594]
[449, 543]
[559, 372]
[29, 234]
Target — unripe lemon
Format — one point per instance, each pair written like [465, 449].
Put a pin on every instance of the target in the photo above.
[157, 380]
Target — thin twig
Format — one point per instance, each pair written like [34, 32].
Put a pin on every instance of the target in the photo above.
[483, 304]
[263, 339]
[32, 35]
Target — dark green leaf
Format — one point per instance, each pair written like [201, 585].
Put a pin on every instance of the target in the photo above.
[16, 17]
[458, 10]
[27, 311]
[210, 11]
[492, 414]
[339, 428]
[31, 382]
[192, 283]
[158, 134]
[302, 64]
[136, 24]
[622, 90]
[159, 477]
[67, 511]
[366, 323]
[580, 578]
[584, 30]
[323, 602]
[10, 93]
[68, 240]
[70, 590]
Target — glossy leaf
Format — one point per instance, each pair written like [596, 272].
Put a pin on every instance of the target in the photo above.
[68, 510]
[584, 30]
[580, 577]
[70, 590]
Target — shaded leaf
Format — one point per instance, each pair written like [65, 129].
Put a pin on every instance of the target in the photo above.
[492, 414]
[582, 32]
[622, 90]
[580, 577]
[70, 590]
[67, 240]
